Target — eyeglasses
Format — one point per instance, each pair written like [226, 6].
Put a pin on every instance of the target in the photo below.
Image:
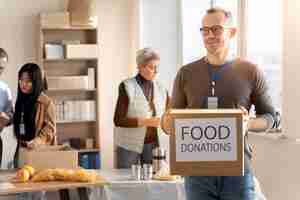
[216, 30]
[25, 81]
[152, 67]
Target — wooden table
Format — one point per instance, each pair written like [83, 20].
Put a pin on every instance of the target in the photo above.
[8, 188]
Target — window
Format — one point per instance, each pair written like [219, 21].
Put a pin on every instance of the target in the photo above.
[262, 40]
[192, 13]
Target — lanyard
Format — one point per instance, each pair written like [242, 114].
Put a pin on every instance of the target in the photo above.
[216, 75]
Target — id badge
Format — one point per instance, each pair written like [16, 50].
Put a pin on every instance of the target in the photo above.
[212, 102]
[22, 129]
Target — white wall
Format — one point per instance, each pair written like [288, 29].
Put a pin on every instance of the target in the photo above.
[115, 35]
[160, 30]
[291, 63]
[18, 33]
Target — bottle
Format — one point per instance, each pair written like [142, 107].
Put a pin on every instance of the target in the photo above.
[136, 171]
[147, 172]
[252, 111]
[158, 157]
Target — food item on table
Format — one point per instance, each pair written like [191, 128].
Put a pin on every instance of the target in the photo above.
[30, 169]
[164, 173]
[81, 175]
[53, 175]
[65, 175]
[44, 175]
[25, 173]
[62, 174]
[22, 175]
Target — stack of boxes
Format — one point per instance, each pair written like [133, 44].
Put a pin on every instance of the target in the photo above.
[83, 110]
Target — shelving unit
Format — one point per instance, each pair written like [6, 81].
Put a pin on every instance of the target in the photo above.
[88, 150]
[75, 121]
[64, 67]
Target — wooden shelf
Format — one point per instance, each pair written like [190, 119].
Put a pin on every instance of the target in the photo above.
[69, 60]
[71, 28]
[75, 121]
[65, 67]
[69, 90]
[88, 150]
[78, 94]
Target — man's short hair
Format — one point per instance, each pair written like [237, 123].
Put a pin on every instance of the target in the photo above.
[145, 55]
[227, 14]
[3, 54]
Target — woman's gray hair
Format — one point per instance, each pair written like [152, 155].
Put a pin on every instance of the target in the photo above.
[145, 55]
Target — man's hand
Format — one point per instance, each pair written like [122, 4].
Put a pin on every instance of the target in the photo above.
[166, 123]
[257, 124]
[149, 122]
[4, 119]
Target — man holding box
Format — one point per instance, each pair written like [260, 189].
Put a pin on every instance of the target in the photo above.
[216, 81]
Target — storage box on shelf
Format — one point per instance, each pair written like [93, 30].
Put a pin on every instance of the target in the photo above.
[56, 19]
[76, 51]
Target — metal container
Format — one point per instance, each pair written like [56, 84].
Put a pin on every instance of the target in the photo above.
[136, 172]
[158, 157]
[147, 171]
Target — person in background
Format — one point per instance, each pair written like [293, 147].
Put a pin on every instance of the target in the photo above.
[217, 81]
[34, 118]
[141, 102]
[6, 105]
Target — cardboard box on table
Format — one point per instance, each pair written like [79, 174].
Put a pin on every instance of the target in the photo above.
[207, 142]
[49, 157]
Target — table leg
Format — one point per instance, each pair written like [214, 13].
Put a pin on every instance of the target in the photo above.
[83, 193]
[64, 194]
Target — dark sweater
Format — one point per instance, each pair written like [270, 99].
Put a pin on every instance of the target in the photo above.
[121, 119]
[241, 83]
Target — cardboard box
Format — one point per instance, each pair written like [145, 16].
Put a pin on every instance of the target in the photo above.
[54, 51]
[48, 157]
[82, 11]
[91, 76]
[55, 19]
[87, 143]
[207, 142]
[82, 51]
[68, 82]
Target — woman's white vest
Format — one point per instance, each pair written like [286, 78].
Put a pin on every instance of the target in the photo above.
[132, 139]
